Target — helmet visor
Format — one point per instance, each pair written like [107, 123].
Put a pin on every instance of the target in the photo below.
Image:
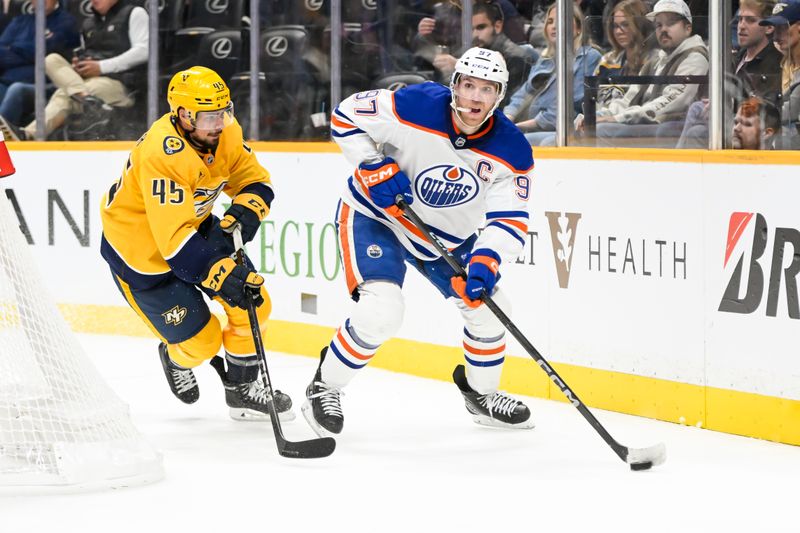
[214, 120]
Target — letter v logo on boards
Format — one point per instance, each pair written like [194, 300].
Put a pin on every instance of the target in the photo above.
[563, 227]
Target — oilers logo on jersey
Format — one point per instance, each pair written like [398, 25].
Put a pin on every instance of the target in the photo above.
[446, 186]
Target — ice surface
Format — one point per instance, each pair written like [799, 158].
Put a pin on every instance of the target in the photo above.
[410, 459]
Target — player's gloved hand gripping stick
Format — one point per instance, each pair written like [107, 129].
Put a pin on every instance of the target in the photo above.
[637, 458]
[481, 276]
[321, 447]
[384, 181]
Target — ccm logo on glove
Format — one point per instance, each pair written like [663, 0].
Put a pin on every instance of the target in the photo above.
[379, 176]
[234, 283]
[384, 181]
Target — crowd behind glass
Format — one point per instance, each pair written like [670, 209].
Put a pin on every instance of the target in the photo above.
[638, 72]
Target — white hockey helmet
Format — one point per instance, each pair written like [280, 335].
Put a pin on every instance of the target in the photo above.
[484, 64]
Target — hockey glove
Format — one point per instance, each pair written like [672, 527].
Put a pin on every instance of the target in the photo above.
[384, 181]
[247, 210]
[481, 276]
[234, 283]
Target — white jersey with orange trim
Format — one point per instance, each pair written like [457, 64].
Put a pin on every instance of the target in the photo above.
[459, 182]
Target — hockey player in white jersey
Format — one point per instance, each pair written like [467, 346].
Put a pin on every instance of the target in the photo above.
[462, 164]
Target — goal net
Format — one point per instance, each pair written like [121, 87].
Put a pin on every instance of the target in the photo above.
[60, 424]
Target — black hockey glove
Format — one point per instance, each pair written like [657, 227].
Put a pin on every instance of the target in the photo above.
[234, 283]
[247, 210]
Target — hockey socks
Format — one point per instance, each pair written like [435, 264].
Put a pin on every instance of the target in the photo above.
[484, 358]
[346, 355]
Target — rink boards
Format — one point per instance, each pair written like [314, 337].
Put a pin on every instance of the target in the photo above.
[662, 284]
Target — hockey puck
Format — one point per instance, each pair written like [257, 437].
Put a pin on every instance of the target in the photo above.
[641, 466]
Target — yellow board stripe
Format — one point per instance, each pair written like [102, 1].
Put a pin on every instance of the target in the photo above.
[741, 157]
[740, 413]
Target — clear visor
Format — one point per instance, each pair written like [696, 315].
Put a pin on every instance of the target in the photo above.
[214, 120]
[477, 91]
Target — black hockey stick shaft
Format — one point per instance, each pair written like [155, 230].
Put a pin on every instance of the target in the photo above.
[307, 449]
[619, 449]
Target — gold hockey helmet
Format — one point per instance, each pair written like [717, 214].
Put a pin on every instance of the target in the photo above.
[204, 96]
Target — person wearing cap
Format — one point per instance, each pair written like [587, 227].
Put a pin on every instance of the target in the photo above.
[657, 110]
[785, 18]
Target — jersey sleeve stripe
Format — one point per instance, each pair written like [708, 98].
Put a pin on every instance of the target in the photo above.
[521, 226]
[346, 134]
[336, 121]
[338, 112]
[507, 214]
[508, 230]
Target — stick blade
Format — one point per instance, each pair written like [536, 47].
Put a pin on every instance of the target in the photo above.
[307, 449]
[644, 458]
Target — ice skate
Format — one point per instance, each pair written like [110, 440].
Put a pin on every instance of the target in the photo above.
[181, 381]
[496, 409]
[248, 402]
[323, 408]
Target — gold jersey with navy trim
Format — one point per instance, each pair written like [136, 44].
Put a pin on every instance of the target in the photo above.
[152, 215]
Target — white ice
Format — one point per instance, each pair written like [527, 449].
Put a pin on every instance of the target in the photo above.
[410, 459]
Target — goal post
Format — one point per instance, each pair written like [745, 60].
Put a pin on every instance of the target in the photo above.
[61, 425]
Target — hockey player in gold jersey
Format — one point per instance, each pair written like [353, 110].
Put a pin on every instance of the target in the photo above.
[166, 249]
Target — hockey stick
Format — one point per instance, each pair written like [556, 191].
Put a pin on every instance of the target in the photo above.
[637, 458]
[306, 449]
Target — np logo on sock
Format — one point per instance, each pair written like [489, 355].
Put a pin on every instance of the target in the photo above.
[175, 315]
[374, 251]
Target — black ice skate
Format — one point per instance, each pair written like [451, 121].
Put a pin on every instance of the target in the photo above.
[323, 406]
[496, 409]
[181, 380]
[248, 402]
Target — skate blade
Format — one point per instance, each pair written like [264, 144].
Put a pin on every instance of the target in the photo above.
[483, 420]
[249, 415]
[308, 414]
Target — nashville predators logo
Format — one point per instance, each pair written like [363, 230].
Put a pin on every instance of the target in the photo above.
[175, 315]
[173, 145]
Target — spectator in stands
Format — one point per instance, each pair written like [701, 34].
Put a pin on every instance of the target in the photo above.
[487, 32]
[441, 33]
[756, 67]
[758, 62]
[533, 105]
[101, 75]
[632, 46]
[657, 110]
[786, 21]
[757, 125]
[17, 43]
